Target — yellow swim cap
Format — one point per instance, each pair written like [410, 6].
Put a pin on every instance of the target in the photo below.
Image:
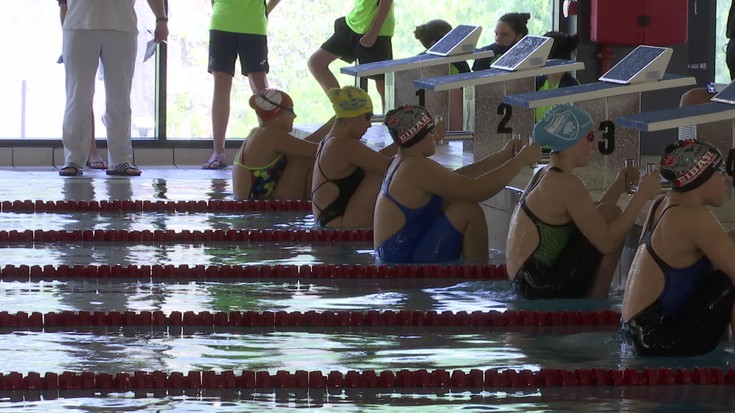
[350, 101]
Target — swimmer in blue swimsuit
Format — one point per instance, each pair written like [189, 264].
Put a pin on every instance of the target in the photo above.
[679, 293]
[348, 173]
[561, 244]
[286, 160]
[427, 213]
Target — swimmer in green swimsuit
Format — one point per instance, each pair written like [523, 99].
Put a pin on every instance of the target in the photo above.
[286, 160]
[561, 244]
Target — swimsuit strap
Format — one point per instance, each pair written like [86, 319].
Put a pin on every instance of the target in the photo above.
[648, 236]
[318, 165]
[238, 156]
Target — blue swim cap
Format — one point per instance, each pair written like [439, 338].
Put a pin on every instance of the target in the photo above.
[562, 127]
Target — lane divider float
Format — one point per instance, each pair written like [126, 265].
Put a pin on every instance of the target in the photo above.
[190, 236]
[126, 205]
[352, 379]
[169, 271]
[373, 318]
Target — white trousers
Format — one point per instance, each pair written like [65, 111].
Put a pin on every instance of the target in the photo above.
[83, 50]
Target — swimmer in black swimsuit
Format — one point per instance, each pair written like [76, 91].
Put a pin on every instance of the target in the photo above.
[347, 174]
[561, 244]
[679, 293]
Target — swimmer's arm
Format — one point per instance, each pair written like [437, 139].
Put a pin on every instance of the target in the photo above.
[492, 161]
[390, 150]
[619, 185]
[320, 133]
[436, 179]
[368, 40]
[606, 237]
[291, 145]
[371, 161]
[714, 242]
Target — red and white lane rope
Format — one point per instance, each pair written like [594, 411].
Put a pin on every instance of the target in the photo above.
[67, 320]
[408, 379]
[125, 205]
[465, 271]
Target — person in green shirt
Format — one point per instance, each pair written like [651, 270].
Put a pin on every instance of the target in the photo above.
[238, 28]
[363, 35]
[565, 46]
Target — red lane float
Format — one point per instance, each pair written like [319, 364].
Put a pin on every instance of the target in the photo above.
[465, 271]
[65, 320]
[207, 235]
[402, 379]
[125, 205]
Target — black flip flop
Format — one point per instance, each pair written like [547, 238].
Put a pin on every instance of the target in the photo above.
[124, 169]
[71, 169]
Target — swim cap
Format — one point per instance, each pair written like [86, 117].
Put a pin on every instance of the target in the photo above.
[350, 101]
[689, 163]
[408, 124]
[270, 103]
[562, 127]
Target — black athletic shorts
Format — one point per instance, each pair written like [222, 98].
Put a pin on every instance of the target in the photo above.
[697, 329]
[345, 43]
[571, 276]
[225, 47]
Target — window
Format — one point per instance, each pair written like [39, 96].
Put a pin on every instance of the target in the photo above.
[722, 75]
[32, 84]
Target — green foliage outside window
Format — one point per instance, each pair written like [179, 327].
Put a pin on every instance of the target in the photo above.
[296, 29]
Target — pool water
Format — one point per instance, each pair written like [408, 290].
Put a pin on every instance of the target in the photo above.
[156, 221]
[279, 295]
[211, 253]
[674, 399]
[116, 349]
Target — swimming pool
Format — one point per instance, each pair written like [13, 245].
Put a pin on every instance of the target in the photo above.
[336, 352]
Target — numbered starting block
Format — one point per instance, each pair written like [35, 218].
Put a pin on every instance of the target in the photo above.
[698, 119]
[456, 46]
[615, 96]
[490, 119]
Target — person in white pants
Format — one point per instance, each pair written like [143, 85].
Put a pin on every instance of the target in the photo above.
[106, 31]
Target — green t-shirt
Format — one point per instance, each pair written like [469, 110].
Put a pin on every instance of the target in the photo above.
[362, 16]
[239, 16]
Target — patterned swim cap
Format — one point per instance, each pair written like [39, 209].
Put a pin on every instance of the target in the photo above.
[689, 163]
[270, 103]
[562, 127]
[350, 101]
[408, 124]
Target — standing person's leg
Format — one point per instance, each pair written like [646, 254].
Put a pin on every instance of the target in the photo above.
[380, 87]
[381, 50]
[118, 61]
[258, 82]
[340, 45]
[223, 47]
[94, 160]
[319, 67]
[81, 50]
[220, 118]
